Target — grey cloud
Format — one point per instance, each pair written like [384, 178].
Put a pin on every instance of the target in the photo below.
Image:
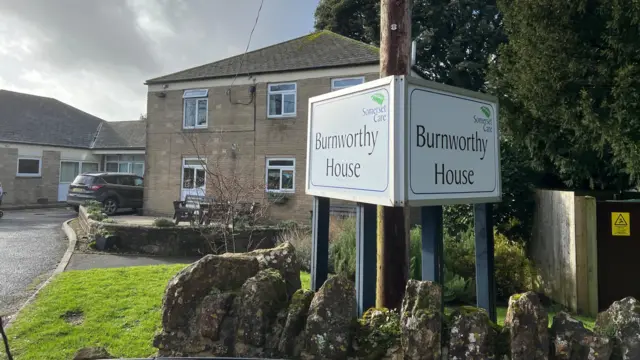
[80, 33]
[125, 42]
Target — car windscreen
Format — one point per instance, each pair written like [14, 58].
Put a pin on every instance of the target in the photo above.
[83, 180]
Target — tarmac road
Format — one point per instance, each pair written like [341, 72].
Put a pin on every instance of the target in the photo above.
[31, 246]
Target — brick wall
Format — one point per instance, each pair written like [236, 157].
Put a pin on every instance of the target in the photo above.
[230, 122]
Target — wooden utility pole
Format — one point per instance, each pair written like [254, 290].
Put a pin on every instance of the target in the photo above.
[393, 245]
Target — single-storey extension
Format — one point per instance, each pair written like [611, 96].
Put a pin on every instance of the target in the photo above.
[45, 144]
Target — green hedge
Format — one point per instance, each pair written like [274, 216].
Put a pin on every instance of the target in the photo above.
[514, 271]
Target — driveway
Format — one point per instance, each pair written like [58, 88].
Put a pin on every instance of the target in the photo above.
[31, 245]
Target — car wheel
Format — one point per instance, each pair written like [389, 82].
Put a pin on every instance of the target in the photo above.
[110, 206]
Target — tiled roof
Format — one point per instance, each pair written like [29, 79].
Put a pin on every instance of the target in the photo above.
[40, 120]
[321, 49]
[122, 135]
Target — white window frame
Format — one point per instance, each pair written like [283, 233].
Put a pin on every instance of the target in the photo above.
[80, 169]
[198, 95]
[333, 82]
[202, 166]
[39, 174]
[281, 168]
[293, 92]
[130, 165]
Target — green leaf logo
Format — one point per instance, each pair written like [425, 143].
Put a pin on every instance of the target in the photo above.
[379, 98]
[485, 110]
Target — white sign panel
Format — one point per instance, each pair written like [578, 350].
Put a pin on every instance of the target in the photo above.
[349, 153]
[404, 141]
[453, 154]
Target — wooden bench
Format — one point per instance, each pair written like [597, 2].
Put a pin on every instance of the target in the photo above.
[191, 209]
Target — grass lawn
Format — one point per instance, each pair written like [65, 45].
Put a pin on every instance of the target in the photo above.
[118, 309]
[115, 308]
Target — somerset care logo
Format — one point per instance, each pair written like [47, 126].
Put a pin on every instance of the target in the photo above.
[485, 121]
[486, 111]
[379, 98]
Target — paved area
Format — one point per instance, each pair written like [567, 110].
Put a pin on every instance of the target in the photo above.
[31, 245]
[91, 261]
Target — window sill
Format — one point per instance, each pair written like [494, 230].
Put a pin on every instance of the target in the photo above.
[195, 128]
[29, 176]
[281, 117]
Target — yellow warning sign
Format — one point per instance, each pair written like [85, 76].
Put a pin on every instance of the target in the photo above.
[620, 224]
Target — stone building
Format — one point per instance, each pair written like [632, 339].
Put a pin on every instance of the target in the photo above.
[247, 113]
[45, 144]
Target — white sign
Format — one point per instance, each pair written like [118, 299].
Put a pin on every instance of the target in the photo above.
[348, 147]
[453, 146]
[363, 146]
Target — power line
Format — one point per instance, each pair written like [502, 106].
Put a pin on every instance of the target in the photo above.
[248, 44]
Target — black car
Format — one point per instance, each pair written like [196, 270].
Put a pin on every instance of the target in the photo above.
[114, 190]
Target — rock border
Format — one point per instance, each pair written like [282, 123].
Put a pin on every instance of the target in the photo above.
[62, 265]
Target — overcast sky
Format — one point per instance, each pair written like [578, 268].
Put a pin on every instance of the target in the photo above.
[96, 54]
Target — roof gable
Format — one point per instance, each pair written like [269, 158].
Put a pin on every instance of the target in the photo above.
[321, 49]
[122, 135]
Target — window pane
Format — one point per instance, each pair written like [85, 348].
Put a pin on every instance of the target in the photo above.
[138, 169]
[195, 93]
[280, 162]
[28, 166]
[200, 178]
[138, 182]
[273, 179]
[112, 167]
[84, 180]
[275, 104]
[112, 158]
[189, 113]
[287, 179]
[187, 178]
[282, 87]
[125, 180]
[89, 167]
[123, 167]
[343, 83]
[126, 157]
[202, 112]
[196, 162]
[289, 103]
[111, 179]
[68, 171]
[138, 158]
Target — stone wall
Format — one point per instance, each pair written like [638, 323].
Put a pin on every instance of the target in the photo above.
[251, 305]
[179, 240]
[41, 189]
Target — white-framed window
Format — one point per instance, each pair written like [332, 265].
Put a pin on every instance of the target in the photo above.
[196, 109]
[337, 84]
[29, 167]
[281, 175]
[133, 164]
[70, 169]
[281, 100]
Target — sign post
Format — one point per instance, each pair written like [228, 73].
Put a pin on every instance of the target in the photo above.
[401, 141]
